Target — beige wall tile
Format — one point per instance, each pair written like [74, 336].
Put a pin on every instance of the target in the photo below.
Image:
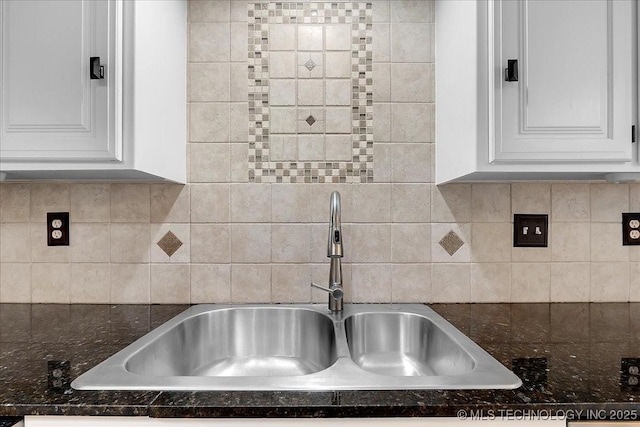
[570, 282]
[209, 82]
[90, 202]
[381, 10]
[411, 163]
[130, 284]
[209, 42]
[411, 122]
[90, 242]
[238, 11]
[491, 242]
[371, 202]
[15, 202]
[250, 202]
[609, 281]
[282, 65]
[608, 201]
[210, 243]
[15, 242]
[290, 243]
[381, 43]
[251, 243]
[412, 43]
[337, 92]
[310, 37]
[411, 283]
[371, 243]
[530, 198]
[15, 283]
[451, 203]
[410, 243]
[491, 282]
[250, 283]
[210, 203]
[338, 120]
[209, 122]
[50, 283]
[130, 203]
[451, 283]
[337, 64]
[634, 282]
[49, 197]
[338, 147]
[570, 202]
[209, 162]
[169, 203]
[282, 91]
[130, 243]
[170, 284]
[282, 37]
[491, 203]
[210, 283]
[239, 162]
[90, 283]
[412, 83]
[40, 252]
[382, 125]
[606, 244]
[337, 37]
[571, 242]
[238, 88]
[530, 282]
[371, 283]
[239, 44]
[410, 203]
[210, 10]
[532, 254]
[291, 283]
[310, 147]
[382, 165]
[412, 11]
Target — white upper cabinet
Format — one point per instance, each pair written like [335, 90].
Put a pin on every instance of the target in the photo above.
[51, 109]
[535, 89]
[63, 116]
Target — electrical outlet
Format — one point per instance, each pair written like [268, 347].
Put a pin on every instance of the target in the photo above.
[630, 373]
[57, 228]
[630, 229]
[530, 230]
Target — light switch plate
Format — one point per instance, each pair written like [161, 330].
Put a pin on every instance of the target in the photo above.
[530, 230]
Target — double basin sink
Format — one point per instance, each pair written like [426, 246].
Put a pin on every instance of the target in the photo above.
[301, 347]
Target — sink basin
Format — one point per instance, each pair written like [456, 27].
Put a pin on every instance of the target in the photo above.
[404, 344]
[301, 347]
[245, 341]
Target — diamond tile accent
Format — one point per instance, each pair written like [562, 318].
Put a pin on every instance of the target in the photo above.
[310, 120]
[169, 243]
[310, 64]
[451, 243]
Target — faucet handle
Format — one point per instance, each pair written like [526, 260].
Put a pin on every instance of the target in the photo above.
[337, 293]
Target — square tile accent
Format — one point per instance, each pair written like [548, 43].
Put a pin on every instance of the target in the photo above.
[346, 52]
[169, 243]
[451, 243]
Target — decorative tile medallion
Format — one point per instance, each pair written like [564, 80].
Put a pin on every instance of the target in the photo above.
[340, 65]
[169, 243]
[451, 243]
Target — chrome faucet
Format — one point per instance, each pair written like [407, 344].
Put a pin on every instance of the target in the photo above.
[334, 253]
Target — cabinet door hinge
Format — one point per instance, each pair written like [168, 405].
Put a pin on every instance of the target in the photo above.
[633, 133]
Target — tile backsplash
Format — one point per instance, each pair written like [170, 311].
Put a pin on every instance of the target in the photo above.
[243, 230]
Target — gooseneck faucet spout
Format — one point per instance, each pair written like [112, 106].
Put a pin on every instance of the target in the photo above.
[334, 253]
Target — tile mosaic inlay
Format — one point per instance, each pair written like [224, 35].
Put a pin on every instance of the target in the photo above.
[451, 243]
[169, 243]
[318, 54]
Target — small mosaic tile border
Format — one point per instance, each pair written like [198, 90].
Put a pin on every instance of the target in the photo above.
[359, 15]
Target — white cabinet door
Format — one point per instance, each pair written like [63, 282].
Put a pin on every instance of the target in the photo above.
[51, 109]
[573, 100]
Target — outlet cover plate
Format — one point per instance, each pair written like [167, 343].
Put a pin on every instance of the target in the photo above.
[628, 227]
[63, 229]
[530, 230]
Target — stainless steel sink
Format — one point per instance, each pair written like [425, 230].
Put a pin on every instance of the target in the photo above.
[404, 344]
[301, 347]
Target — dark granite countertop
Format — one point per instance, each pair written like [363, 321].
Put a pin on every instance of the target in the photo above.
[569, 356]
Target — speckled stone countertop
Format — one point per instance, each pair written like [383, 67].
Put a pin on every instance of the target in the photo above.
[572, 358]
